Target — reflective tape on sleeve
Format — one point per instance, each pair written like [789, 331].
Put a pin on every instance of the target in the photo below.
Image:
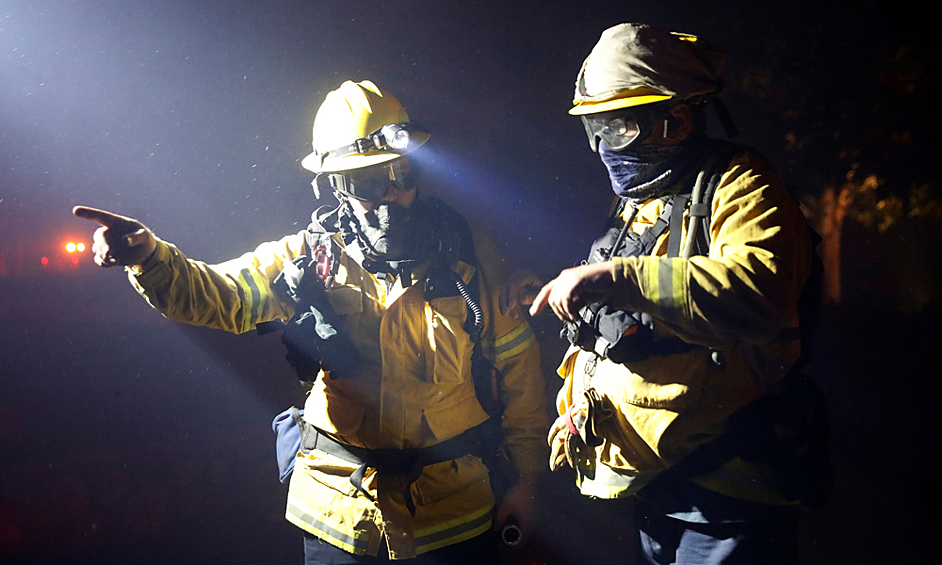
[254, 292]
[514, 342]
[666, 285]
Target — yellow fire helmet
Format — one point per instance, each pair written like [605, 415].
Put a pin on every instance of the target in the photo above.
[357, 126]
[634, 64]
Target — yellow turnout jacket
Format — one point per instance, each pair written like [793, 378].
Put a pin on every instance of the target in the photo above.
[415, 391]
[739, 302]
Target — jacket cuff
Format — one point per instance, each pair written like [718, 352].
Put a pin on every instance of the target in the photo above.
[156, 270]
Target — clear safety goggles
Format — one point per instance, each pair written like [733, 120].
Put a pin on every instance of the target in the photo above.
[369, 184]
[620, 128]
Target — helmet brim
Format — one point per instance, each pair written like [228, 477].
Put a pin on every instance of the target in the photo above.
[583, 108]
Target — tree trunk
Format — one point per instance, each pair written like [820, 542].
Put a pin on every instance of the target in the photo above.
[831, 226]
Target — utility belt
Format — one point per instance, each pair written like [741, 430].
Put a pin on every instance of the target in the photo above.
[407, 462]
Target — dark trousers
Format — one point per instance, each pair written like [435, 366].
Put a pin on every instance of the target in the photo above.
[768, 538]
[481, 550]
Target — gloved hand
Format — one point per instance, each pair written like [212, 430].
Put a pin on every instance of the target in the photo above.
[120, 240]
[564, 439]
[577, 429]
[315, 335]
[519, 290]
[315, 338]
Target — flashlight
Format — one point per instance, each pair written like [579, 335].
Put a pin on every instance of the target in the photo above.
[511, 534]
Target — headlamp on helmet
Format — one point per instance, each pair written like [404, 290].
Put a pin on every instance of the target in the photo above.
[390, 137]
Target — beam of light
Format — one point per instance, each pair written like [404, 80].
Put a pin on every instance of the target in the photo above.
[523, 210]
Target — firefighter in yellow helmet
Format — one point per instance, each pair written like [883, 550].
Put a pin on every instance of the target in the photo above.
[421, 393]
[684, 321]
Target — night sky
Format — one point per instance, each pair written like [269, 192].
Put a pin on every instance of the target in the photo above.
[127, 439]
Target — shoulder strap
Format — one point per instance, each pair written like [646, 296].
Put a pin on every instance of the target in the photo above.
[713, 165]
[452, 241]
[677, 206]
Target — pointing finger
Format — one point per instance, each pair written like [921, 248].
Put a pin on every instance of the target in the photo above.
[540, 301]
[104, 218]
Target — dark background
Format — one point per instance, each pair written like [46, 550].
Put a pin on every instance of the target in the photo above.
[125, 438]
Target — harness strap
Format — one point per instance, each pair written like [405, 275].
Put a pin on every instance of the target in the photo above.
[678, 204]
[408, 462]
[700, 210]
[650, 235]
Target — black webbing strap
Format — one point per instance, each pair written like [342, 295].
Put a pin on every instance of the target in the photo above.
[674, 235]
[700, 210]
[408, 462]
[650, 235]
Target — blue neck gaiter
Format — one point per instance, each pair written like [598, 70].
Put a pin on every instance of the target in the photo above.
[645, 171]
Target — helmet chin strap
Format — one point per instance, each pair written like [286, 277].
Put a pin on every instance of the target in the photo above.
[362, 251]
[347, 219]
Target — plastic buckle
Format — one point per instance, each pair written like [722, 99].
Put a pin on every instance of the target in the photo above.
[322, 263]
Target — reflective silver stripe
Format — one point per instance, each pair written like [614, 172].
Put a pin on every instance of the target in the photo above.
[255, 295]
[665, 286]
[332, 535]
[514, 342]
[464, 531]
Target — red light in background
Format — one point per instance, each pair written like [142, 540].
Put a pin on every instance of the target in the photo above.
[44, 261]
[75, 261]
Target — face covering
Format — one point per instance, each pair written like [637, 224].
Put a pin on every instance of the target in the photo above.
[390, 232]
[643, 171]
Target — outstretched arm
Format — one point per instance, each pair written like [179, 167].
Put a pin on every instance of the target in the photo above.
[232, 296]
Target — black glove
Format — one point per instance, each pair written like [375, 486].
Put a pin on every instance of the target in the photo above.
[315, 336]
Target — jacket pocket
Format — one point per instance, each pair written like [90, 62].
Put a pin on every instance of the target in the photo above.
[345, 300]
[672, 382]
[443, 479]
[449, 346]
[450, 418]
[330, 471]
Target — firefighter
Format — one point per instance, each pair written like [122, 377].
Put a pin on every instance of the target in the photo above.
[683, 317]
[432, 385]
